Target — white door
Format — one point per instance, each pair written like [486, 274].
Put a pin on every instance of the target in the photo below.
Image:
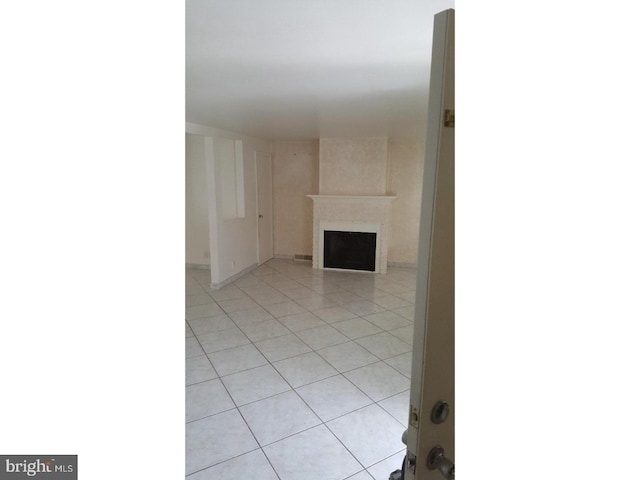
[265, 206]
[430, 436]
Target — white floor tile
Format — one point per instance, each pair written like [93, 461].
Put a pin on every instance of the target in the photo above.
[259, 289]
[270, 278]
[387, 320]
[253, 465]
[269, 298]
[303, 369]
[298, 292]
[206, 398]
[378, 380]
[216, 323]
[288, 414]
[363, 475]
[392, 287]
[247, 281]
[264, 270]
[238, 359]
[257, 370]
[279, 348]
[398, 407]
[384, 345]
[321, 337]
[201, 275]
[409, 296]
[381, 470]
[404, 333]
[356, 328]
[199, 369]
[284, 285]
[370, 434]
[255, 384]
[390, 302]
[197, 299]
[264, 330]
[401, 363]
[193, 348]
[215, 439]
[334, 314]
[315, 302]
[193, 289]
[247, 317]
[333, 397]
[323, 287]
[206, 310]
[229, 292]
[341, 297]
[406, 312]
[237, 304]
[367, 292]
[314, 454]
[301, 321]
[347, 356]
[229, 338]
[283, 309]
[363, 307]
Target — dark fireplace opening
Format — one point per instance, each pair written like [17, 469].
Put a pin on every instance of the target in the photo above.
[350, 250]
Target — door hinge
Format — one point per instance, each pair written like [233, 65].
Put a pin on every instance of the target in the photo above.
[414, 416]
[449, 117]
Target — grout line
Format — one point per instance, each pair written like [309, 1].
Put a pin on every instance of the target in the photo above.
[218, 463]
[313, 350]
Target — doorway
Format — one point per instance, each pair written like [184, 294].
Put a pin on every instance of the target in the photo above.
[264, 186]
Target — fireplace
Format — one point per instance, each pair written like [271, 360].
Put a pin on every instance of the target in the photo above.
[350, 250]
[362, 221]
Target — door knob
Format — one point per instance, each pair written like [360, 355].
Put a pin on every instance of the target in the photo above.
[440, 412]
[437, 461]
[260, 215]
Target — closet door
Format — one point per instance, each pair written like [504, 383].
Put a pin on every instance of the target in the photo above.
[265, 206]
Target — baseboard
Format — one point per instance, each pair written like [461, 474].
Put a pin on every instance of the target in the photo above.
[401, 264]
[233, 278]
[298, 257]
[198, 266]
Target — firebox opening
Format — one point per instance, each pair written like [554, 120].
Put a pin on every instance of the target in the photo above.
[350, 250]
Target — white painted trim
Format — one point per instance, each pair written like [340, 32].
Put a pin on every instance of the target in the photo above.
[402, 264]
[353, 210]
[198, 266]
[233, 278]
[210, 172]
[387, 198]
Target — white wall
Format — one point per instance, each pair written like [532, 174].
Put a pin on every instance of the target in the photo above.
[196, 206]
[233, 241]
[353, 166]
[295, 175]
[406, 166]
[374, 166]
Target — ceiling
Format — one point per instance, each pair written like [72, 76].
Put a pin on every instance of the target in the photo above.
[300, 69]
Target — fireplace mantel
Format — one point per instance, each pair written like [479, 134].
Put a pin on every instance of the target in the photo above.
[366, 213]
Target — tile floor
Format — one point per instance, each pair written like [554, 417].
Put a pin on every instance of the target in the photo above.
[297, 374]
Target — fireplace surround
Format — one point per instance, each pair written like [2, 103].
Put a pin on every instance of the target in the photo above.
[352, 213]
